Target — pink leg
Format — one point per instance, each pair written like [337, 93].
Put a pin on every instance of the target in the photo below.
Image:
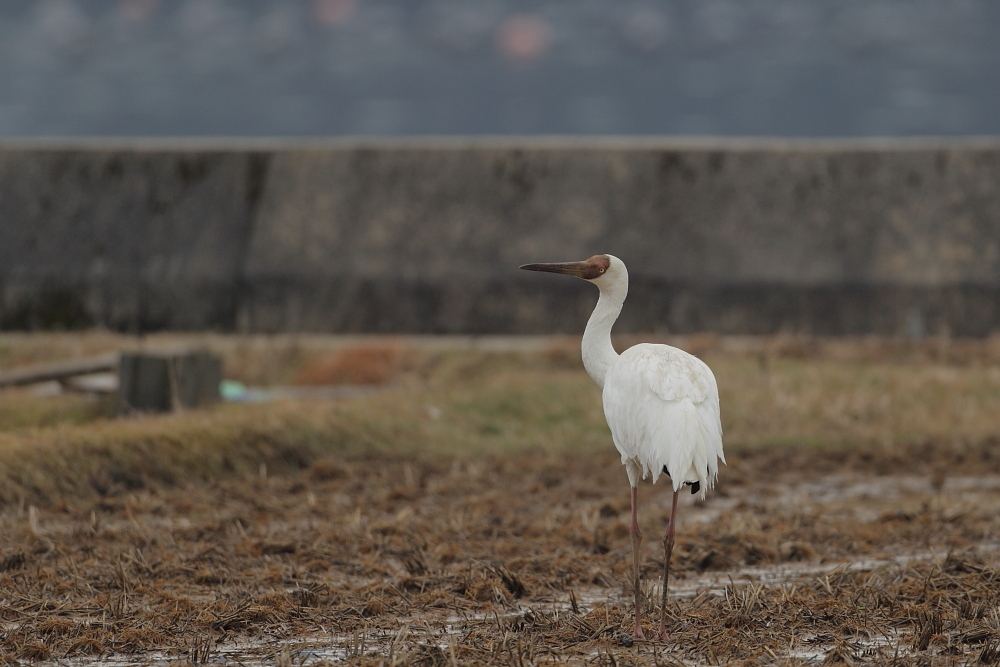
[636, 542]
[668, 548]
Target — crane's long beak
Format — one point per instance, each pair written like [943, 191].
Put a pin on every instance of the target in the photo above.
[576, 269]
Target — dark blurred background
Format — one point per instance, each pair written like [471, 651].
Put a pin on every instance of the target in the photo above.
[342, 222]
[412, 67]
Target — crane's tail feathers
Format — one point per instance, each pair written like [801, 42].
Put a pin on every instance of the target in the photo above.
[694, 447]
[680, 438]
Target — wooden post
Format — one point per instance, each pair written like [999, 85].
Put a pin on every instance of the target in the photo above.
[161, 382]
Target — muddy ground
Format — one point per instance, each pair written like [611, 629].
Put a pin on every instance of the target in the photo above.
[470, 509]
[874, 556]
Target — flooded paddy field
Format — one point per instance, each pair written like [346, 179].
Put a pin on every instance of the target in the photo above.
[473, 511]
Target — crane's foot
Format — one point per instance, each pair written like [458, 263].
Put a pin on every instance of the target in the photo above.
[662, 635]
[637, 633]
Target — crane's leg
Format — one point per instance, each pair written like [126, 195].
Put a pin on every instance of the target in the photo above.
[636, 536]
[668, 548]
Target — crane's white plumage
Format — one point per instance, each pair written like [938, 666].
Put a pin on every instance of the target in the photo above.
[661, 403]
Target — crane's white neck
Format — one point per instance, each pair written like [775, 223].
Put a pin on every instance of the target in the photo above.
[598, 353]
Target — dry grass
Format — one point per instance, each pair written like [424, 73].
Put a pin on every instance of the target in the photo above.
[872, 395]
[510, 559]
[840, 403]
[365, 364]
[28, 408]
[474, 512]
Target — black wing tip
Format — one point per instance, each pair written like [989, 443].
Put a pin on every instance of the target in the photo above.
[695, 486]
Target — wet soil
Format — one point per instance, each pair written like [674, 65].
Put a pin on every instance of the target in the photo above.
[798, 557]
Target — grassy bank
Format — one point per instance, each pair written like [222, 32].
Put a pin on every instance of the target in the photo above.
[825, 396]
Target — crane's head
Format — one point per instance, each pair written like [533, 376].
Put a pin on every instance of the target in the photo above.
[606, 271]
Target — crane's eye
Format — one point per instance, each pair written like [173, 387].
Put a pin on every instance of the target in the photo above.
[601, 270]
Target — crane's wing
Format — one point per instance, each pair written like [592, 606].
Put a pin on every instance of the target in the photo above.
[662, 405]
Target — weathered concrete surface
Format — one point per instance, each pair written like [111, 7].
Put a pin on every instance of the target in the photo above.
[892, 238]
[126, 239]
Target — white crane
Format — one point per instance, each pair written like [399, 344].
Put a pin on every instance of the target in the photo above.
[661, 403]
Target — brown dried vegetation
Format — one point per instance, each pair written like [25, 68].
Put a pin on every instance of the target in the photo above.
[476, 555]
[365, 364]
[494, 529]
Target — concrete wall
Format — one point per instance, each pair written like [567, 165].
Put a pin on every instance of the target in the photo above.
[728, 236]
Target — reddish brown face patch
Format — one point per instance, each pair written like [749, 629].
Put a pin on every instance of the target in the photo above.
[596, 266]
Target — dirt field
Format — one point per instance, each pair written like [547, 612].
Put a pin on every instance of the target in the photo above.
[474, 512]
